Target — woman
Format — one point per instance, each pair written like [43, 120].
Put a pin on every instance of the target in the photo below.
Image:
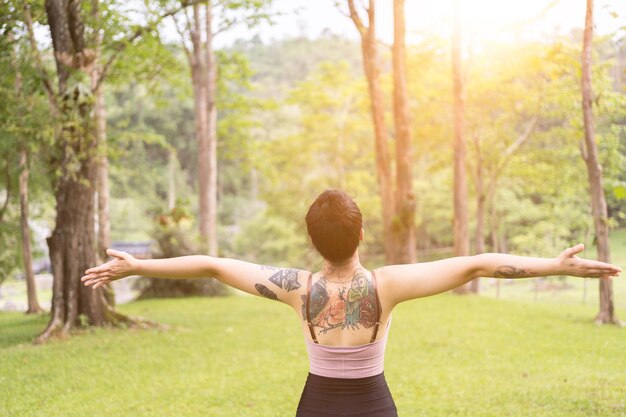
[346, 309]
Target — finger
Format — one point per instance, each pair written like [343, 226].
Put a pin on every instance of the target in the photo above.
[96, 269]
[88, 277]
[91, 281]
[597, 264]
[569, 252]
[94, 276]
[598, 271]
[117, 254]
[94, 279]
[100, 284]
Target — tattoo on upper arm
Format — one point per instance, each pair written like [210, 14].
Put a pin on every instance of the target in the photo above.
[271, 268]
[266, 292]
[286, 279]
[510, 271]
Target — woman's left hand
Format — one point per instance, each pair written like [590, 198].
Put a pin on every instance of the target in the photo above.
[570, 264]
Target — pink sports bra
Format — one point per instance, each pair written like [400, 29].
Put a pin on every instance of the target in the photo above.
[347, 361]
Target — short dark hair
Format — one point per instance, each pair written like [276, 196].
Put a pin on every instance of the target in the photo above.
[334, 223]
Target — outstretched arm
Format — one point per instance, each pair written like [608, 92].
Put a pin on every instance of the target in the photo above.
[262, 280]
[405, 282]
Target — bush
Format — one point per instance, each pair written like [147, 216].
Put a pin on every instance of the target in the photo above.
[171, 232]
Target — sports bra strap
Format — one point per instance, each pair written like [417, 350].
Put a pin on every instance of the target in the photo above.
[306, 308]
[378, 308]
[308, 312]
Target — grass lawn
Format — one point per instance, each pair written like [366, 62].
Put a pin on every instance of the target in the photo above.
[245, 356]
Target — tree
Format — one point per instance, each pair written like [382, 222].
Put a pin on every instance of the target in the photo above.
[27, 257]
[74, 159]
[589, 153]
[399, 207]
[461, 221]
[403, 226]
[200, 31]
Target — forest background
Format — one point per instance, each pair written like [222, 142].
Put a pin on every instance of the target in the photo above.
[294, 118]
[168, 127]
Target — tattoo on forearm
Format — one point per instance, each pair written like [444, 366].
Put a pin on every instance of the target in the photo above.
[510, 271]
[286, 279]
[266, 292]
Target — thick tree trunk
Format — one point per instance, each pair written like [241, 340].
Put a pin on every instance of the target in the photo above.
[461, 232]
[72, 245]
[404, 219]
[594, 172]
[383, 166]
[31, 288]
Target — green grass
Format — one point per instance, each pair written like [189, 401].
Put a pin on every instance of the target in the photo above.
[245, 356]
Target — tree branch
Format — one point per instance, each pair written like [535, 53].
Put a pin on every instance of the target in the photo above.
[354, 15]
[182, 38]
[514, 146]
[45, 78]
[120, 46]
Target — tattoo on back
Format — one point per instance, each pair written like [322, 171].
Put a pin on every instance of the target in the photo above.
[342, 307]
[510, 271]
[286, 279]
[265, 292]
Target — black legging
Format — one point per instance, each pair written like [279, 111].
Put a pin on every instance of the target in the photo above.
[367, 397]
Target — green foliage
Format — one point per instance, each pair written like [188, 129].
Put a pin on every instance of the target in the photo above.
[24, 125]
[269, 239]
[174, 235]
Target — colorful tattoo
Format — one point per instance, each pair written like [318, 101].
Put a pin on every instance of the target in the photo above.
[510, 271]
[342, 307]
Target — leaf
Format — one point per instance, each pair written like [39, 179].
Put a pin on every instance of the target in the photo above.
[619, 192]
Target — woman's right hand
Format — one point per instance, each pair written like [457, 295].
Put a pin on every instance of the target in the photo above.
[122, 265]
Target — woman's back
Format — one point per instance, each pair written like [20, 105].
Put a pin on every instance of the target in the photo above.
[341, 314]
[342, 311]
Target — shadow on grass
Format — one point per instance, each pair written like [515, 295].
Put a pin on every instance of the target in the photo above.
[19, 328]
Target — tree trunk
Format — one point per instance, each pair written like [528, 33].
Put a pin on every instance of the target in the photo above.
[104, 218]
[203, 74]
[493, 226]
[72, 244]
[171, 179]
[480, 213]
[211, 86]
[594, 172]
[27, 257]
[383, 167]
[31, 288]
[461, 233]
[404, 219]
